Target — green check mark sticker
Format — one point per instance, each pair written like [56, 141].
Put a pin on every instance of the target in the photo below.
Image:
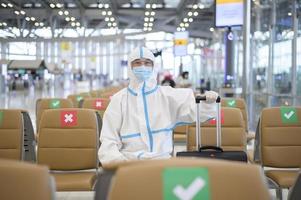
[55, 103]
[1, 117]
[78, 98]
[288, 115]
[182, 183]
[231, 103]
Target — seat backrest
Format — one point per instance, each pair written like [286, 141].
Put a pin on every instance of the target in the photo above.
[232, 131]
[20, 180]
[95, 93]
[280, 137]
[11, 134]
[68, 139]
[180, 177]
[76, 98]
[237, 103]
[99, 104]
[50, 103]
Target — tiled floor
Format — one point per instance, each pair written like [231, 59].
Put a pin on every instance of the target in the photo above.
[26, 100]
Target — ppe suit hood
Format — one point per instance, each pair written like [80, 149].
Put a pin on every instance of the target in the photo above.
[135, 84]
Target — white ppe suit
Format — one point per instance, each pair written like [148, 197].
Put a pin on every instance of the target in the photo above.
[139, 120]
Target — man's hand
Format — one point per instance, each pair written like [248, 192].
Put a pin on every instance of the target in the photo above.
[211, 96]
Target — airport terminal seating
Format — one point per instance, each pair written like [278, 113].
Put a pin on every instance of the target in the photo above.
[76, 98]
[179, 133]
[20, 180]
[241, 104]
[68, 144]
[50, 103]
[280, 147]
[145, 179]
[232, 132]
[99, 104]
[11, 134]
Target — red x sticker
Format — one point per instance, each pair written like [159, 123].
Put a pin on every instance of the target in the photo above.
[213, 121]
[68, 118]
[98, 104]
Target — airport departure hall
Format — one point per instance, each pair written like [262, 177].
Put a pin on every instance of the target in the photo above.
[150, 99]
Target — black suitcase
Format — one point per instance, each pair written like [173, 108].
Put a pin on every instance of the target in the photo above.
[212, 151]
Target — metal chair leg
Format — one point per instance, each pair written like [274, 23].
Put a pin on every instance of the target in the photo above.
[279, 193]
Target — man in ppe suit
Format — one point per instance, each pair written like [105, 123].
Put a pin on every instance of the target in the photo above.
[139, 120]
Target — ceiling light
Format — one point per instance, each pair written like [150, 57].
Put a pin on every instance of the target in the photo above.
[22, 12]
[36, 24]
[150, 24]
[10, 5]
[151, 19]
[147, 5]
[59, 5]
[201, 6]
[109, 24]
[77, 24]
[17, 12]
[146, 13]
[178, 29]
[41, 24]
[103, 12]
[3, 5]
[114, 24]
[186, 25]
[154, 6]
[289, 14]
[145, 28]
[66, 12]
[0, 24]
[106, 5]
[109, 13]
[185, 20]
[100, 5]
[195, 6]
[211, 29]
[52, 5]
[67, 19]
[190, 14]
[195, 13]
[153, 13]
[149, 29]
[61, 12]
[107, 19]
[146, 19]
[32, 19]
[145, 24]
[27, 18]
[4, 23]
[73, 24]
[72, 19]
[182, 24]
[183, 29]
[112, 19]
[190, 20]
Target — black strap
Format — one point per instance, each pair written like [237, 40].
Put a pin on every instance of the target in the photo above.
[204, 148]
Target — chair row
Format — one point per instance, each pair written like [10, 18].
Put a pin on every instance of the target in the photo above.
[153, 179]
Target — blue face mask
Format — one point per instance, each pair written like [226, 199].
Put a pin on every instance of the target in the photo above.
[143, 73]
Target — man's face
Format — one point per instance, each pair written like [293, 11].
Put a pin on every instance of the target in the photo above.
[142, 61]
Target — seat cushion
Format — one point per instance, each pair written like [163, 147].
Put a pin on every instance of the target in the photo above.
[284, 178]
[178, 137]
[77, 181]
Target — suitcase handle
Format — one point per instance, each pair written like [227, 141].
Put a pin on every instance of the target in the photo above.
[200, 98]
[204, 148]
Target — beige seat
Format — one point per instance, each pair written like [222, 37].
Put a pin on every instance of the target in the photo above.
[99, 104]
[11, 134]
[50, 103]
[280, 147]
[76, 98]
[68, 144]
[95, 93]
[144, 179]
[233, 132]
[241, 104]
[21, 180]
